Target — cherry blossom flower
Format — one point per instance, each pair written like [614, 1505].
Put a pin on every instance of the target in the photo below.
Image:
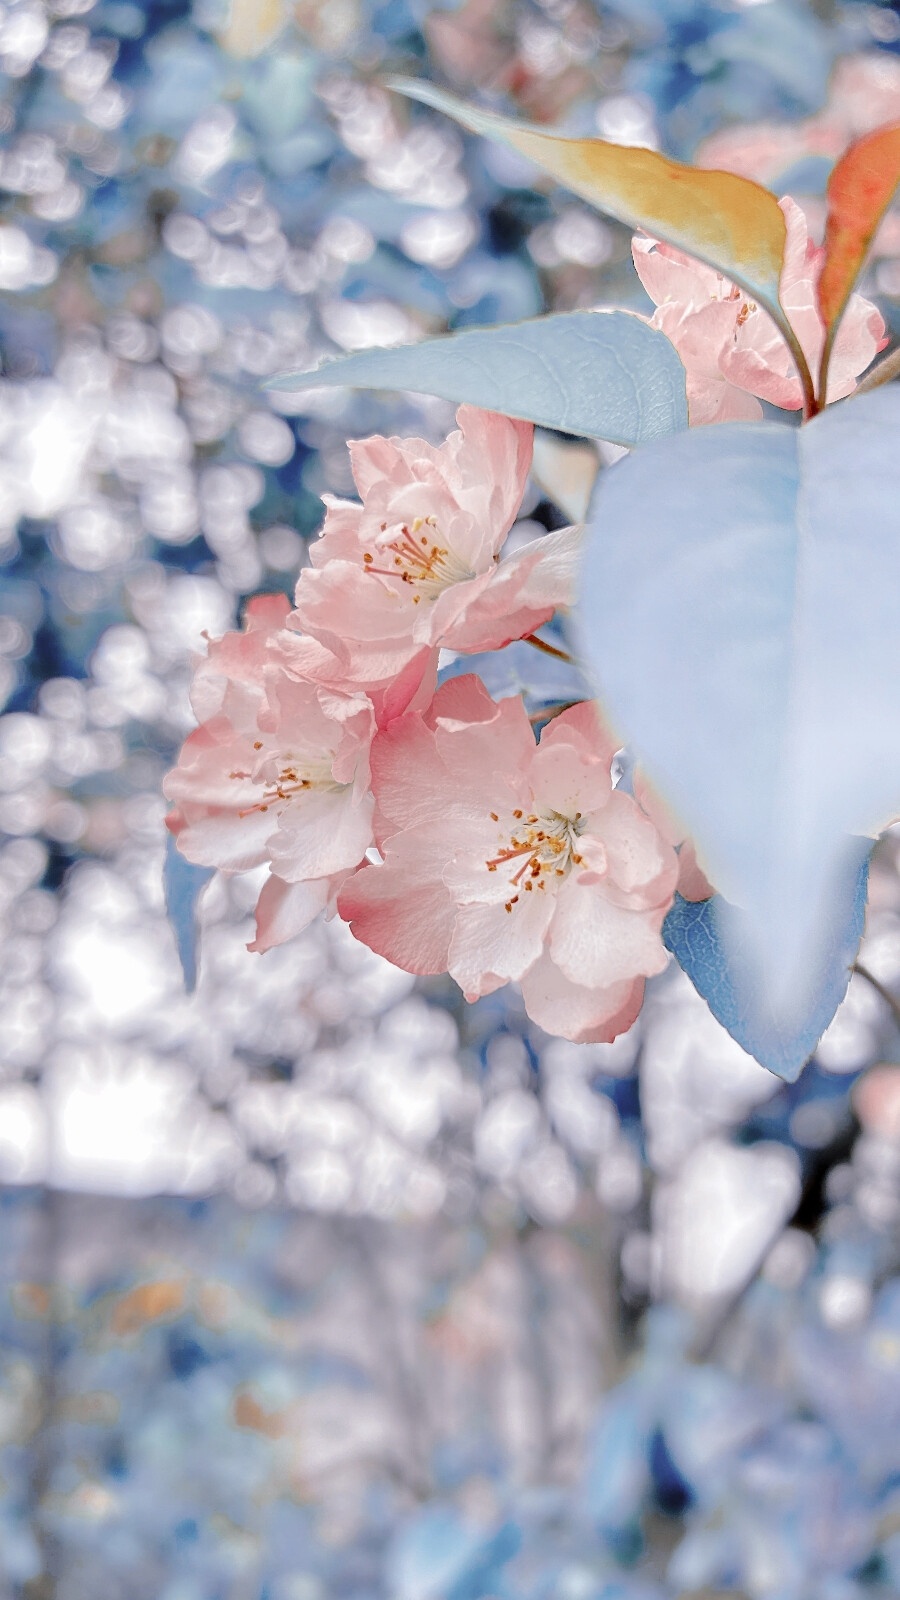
[507, 860]
[276, 772]
[417, 565]
[731, 349]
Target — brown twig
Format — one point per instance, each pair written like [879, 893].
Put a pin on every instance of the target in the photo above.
[548, 649]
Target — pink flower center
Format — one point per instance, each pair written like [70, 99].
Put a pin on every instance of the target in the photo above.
[284, 780]
[541, 850]
[417, 558]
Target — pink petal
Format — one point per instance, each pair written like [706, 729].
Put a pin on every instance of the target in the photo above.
[567, 778]
[670, 277]
[492, 464]
[214, 769]
[341, 536]
[410, 780]
[491, 945]
[321, 832]
[520, 594]
[229, 840]
[643, 867]
[572, 1011]
[284, 909]
[400, 912]
[585, 725]
[238, 657]
[693, 884]
[594, 941]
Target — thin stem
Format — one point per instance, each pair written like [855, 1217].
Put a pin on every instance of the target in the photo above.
[549, 649]
[825, 363]
[885, 372]
[810, 403]
[879, 989]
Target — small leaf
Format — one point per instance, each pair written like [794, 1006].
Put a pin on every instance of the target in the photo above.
[606, 375]
[183, 883]
[730, 222]
[739, 614]
[860, 190]
[693, 933]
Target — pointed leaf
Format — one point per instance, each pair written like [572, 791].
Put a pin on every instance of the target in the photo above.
[693, 933]
[739, 614]
[732, 223]
[606, 375]
[860, 190]
[183, 883]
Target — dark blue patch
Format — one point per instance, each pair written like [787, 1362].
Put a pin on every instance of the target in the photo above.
[185, 1355]
[183, 883]
[673, 1494]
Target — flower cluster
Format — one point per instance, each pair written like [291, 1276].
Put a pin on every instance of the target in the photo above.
[733, 353]
[433, 820]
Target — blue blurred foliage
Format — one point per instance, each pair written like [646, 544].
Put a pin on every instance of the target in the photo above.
[200, 1400]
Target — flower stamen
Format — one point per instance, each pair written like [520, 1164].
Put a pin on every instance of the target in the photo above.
[548, 849]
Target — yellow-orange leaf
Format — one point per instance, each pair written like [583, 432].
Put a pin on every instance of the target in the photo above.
[729, 222]
[859, 192]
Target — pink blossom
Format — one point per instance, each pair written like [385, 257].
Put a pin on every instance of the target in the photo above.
[507, 860]
[276, 772]
[731, 348]
[417, 565]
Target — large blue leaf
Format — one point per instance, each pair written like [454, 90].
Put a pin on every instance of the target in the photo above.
[740, 616]
[722, 970]
[183, 883]
[606, 375]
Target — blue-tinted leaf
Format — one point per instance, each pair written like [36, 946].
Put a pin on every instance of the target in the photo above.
[605, 375]
[724, 975]
[183, 883]
[740, 617]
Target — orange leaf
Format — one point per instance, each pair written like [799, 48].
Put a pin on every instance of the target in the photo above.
[729, 222]
[860, 189]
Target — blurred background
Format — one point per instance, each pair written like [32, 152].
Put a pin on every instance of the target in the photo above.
[316, 1282]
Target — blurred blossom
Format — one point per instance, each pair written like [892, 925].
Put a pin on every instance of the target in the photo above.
[695, 1079]
[23, 33]
[363, 326]
[22, 264]
[627, 119]
[207, 145]
[266, 438]
[849, 1040]
[439, 238]
[718, 1218]
[844, 1301]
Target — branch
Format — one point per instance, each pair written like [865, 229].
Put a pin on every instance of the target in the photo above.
[549, 649]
